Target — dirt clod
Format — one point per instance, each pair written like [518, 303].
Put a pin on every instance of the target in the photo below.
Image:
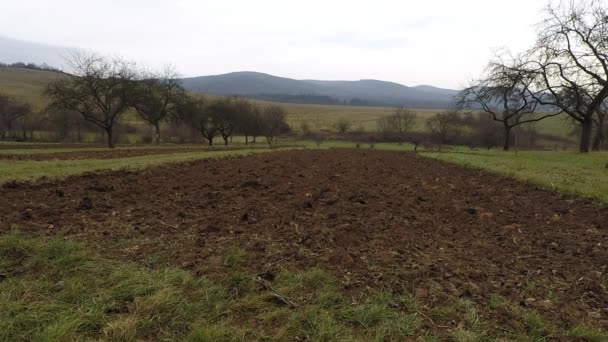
[85, 204]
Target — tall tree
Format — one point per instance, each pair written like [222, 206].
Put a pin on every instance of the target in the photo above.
[99, 88]
[570, 62]
[444, 126]
[504, 92]
[157, 97]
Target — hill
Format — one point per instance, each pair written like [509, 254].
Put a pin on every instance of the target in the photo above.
[280, 89]
[13, 50]
[263, 86]
[26, 84]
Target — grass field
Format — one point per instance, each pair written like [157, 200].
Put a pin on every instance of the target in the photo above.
[26, 85]
[31, 170]
[568, 172]
[59, 290]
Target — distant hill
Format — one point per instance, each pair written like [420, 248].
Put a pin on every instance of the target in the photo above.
[263, 86]
[280, 89]
[13, 50]
[26, 84]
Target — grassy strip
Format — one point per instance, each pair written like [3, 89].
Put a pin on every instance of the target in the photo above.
[56, 290]
[574, 173]
[30, 170]
[101, 148]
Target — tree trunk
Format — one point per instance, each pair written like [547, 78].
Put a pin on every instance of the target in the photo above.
[157, 133]
[110, 137]
[210, 139]
[587, 127]
[598, 139]
[246, 139]
[507, 142]
[225, 141]
[253, 141]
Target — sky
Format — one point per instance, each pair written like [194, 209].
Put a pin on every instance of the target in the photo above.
[434, 42]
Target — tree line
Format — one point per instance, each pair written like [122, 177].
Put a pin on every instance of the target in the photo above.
[100, 90]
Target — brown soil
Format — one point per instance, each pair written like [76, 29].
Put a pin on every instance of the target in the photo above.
[111, 154]
[372, 218]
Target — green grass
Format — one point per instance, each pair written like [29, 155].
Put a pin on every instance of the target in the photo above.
[102, 148]
[57, 290]
[30, 170]
[568, 172]
[26, 85]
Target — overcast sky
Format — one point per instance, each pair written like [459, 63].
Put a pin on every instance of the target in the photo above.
[437, 42]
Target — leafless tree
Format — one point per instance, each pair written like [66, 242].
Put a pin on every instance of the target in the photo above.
[396, 125]
[273, 122]
[99, 88]
[570, 61]
[197, 113]
[599, 122]
[250, 122]
[443, 126]
[11, 111]
[343, 125]
[157, 97]
[504, 92]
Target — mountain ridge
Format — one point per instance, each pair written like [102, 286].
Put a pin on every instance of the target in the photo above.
[362, 92]
[264, 86]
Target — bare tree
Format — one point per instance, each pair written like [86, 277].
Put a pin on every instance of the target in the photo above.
[504, 92]
[599, 122]
[100, 89]
[201, 116]
[157, 97]
[343, 125]
[570, 62]
[65, 124]
[396, 125]
[250, 122]
[444, 126]
[222, 114]
[273, 122]
[403, 120]
[11, 111]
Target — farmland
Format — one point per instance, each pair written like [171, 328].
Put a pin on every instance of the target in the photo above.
[28, 85]
[312, 197]
[319, 244]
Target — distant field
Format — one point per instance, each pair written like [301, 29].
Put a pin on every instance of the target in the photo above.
[28, 85]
